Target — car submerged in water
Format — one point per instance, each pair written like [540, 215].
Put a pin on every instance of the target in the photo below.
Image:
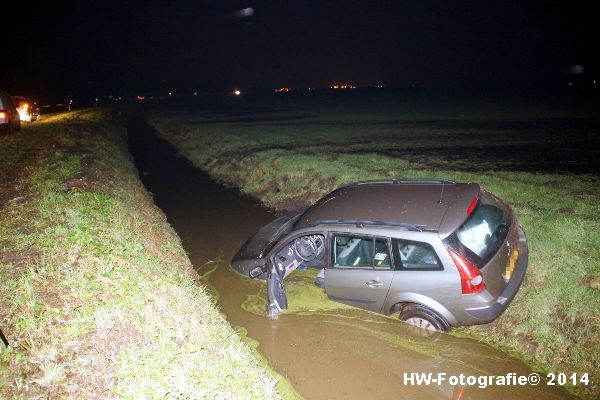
[441, 254]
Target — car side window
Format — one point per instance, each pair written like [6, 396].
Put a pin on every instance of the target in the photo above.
[416, 255]
[360, 252]
[381, 258]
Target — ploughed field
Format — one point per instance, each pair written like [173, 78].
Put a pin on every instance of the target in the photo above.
[541, 157]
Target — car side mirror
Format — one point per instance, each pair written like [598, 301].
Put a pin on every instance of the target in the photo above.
[255, 272]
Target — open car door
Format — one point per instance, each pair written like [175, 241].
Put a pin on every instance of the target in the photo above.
[277, 298]
[307, 250]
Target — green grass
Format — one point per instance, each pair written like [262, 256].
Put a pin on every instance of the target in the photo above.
[554, 321]
[97, 296]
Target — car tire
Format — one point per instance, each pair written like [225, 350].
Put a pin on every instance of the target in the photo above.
[422, 317]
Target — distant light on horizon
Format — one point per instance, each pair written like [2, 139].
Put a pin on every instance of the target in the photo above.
[237, 92]
[342, 86]
[243, 13]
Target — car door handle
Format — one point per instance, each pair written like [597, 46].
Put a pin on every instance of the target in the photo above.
[373, 283]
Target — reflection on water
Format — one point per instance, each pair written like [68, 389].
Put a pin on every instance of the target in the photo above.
[304, 297]
[325, 349]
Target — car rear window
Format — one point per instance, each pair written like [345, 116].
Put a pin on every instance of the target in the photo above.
[484, 231]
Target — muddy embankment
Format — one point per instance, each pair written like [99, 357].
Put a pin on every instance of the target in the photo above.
[98, 299]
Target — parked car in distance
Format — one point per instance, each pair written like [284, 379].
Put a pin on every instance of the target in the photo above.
[27, 108]
[441, 254]
[9, 116]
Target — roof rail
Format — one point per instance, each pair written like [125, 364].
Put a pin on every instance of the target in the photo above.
[413, 181]
[360, 224]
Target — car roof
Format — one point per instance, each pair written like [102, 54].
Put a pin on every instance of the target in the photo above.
[399, 202]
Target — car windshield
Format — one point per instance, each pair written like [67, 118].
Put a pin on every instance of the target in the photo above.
[484, 231]
[264, 240]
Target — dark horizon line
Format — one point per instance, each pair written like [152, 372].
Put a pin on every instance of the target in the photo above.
[89, 97]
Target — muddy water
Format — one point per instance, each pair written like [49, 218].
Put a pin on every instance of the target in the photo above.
[326, 353]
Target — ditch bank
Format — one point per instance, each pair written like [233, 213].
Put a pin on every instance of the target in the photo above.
[98, 299]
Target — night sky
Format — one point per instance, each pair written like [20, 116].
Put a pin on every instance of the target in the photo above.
[67, 48]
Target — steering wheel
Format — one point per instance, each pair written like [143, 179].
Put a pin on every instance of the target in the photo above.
[308, 247]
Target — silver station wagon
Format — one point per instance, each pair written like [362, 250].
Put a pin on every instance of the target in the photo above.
[441, 254]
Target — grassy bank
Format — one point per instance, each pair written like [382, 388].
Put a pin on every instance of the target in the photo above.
[97, 296]
[291, 158]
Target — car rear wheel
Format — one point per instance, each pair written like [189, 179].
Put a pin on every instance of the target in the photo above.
[422, 317]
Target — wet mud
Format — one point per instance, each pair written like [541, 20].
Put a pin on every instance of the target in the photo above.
[326, 350]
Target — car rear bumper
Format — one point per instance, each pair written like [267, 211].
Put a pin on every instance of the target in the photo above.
[488, 313]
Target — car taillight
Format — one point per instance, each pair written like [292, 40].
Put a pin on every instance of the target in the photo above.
[472, 206]
[471, 279]
[3, 117]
